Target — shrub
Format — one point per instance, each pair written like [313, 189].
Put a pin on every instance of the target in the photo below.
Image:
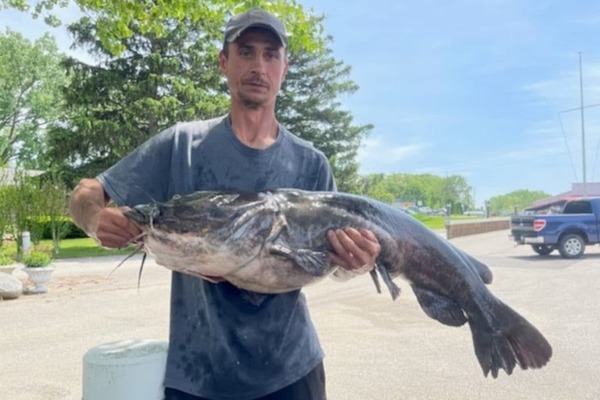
[36, 259]
[68, 228]
[6, 259]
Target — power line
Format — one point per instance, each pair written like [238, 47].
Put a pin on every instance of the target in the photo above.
[567, 144]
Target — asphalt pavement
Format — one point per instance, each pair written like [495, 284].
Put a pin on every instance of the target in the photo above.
[375, 348]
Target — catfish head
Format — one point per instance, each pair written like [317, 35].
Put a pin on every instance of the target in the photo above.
[206, 233]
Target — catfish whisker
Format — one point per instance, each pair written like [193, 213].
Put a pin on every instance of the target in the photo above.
[139, 248]
[136, 239]
[140, 273]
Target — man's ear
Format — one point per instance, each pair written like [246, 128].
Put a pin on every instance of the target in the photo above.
[285, 69]
[223, 63]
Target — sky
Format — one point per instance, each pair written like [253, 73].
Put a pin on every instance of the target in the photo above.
[485, 89]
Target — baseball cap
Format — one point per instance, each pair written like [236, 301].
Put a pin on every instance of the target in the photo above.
[254, 18]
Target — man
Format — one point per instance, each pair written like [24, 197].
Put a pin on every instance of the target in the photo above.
[226, 343]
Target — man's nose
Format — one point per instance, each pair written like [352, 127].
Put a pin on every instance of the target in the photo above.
[258, 64]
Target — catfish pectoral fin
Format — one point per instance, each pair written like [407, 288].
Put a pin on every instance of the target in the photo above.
[440, 307]
[387, 279]
[512, 340]
[375, 279]
[315, 263]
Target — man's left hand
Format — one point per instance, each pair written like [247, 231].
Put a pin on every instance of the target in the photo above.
[355, 250]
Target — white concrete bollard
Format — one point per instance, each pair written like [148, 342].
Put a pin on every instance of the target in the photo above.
[26, 240]
[130, 369]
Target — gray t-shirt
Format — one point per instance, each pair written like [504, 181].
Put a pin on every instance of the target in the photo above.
[226, 343]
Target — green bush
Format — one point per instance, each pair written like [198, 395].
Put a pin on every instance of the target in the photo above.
[74, 232]
[36, 259]
[70, 230]
[8, 249]
[6, 259]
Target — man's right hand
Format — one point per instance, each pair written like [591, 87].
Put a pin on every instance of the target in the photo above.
[107, 225]
[111, 228]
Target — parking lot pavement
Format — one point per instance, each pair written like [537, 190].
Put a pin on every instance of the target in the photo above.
[376, 348]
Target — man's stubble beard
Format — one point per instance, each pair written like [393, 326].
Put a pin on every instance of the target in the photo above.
[251, 103]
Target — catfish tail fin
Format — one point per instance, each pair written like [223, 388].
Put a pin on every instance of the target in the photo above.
[510, 341]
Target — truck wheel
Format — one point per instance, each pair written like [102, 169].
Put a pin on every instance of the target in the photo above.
[571, 246]
[542, 249]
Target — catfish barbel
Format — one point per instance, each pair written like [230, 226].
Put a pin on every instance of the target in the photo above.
[276, 241]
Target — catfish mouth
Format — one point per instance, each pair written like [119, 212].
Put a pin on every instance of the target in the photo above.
[143, 215]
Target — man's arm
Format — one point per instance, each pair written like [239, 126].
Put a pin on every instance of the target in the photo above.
[107, 225]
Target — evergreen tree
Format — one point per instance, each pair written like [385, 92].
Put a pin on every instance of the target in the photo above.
[309, 106]
[116, 105]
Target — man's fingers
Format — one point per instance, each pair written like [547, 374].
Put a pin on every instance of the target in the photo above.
[349, 239]
[354, 250]
[362, 244]
[126, 224]
[114, 229]
[348, 252]
[368, 234]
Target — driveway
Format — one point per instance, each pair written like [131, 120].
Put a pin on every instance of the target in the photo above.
[376, 348]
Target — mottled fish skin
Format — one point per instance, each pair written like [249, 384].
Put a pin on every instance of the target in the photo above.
[276, 241]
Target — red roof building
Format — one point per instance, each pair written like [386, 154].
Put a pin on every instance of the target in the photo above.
[577, 192]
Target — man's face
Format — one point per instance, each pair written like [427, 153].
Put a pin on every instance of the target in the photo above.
[255, 67]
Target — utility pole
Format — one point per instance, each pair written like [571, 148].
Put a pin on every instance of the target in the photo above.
[582, 129]
[581, 109]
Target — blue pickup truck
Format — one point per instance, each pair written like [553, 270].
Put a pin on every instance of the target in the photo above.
[577, 225]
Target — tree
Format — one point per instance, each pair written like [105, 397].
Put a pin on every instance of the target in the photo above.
[518, 199]
[121, 19]
[160, 80]
[55, 212]
[309, 106]
[366, 182]
[457, 192]
[33, 204]
[113, 107]
[24, 201]
[30, 97]
[430, 190]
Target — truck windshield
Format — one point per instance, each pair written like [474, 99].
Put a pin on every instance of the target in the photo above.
[578, 207]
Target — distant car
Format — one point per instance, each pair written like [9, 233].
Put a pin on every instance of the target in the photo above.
[425, 210]
[409, 211]
[474, 213]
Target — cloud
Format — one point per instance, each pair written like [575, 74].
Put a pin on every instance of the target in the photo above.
[564, 88]
[379, 154]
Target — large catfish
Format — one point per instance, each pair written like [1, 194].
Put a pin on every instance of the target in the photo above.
[276, 241]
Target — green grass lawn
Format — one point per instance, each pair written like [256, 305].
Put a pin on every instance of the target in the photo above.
[84, 247]
[73, 248]
[432, 221]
